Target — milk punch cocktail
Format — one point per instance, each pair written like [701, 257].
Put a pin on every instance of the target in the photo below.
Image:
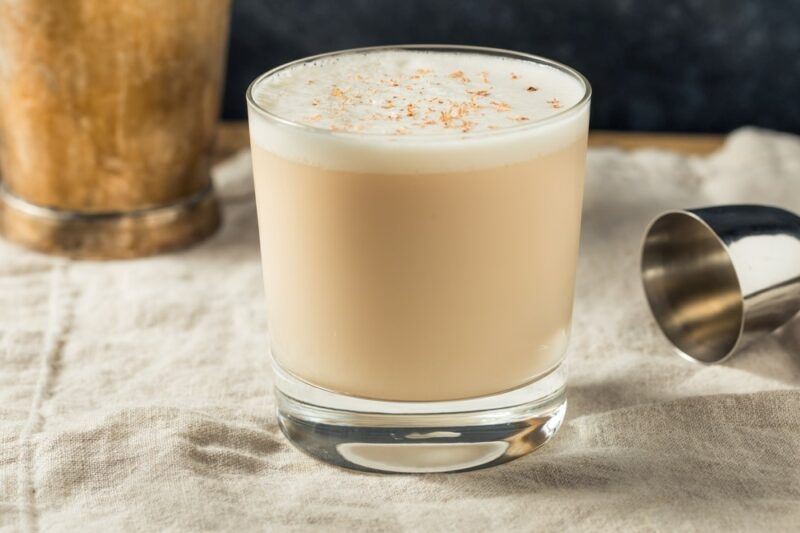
[419, 211]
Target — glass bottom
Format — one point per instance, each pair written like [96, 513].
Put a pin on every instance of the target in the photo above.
[420, 437]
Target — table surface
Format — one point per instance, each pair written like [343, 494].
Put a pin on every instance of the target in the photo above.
[233, 137]
[135, 395]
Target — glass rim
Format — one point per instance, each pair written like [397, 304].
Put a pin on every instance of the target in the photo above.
[561, 115]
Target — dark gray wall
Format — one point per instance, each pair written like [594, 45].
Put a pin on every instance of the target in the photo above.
[680, 65]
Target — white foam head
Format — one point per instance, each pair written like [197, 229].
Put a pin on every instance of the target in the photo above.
[413, 111]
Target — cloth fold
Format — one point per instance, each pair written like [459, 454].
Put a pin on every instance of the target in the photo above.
[136, 395]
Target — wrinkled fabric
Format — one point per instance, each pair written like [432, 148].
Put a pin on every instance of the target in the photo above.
[136, 395]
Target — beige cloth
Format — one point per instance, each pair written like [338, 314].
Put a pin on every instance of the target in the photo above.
[135, 395]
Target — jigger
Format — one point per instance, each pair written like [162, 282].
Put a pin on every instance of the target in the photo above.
[718, 278]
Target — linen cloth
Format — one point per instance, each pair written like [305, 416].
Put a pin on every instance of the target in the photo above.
[136, 395]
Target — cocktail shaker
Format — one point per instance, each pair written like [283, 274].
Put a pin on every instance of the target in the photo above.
[108, 113]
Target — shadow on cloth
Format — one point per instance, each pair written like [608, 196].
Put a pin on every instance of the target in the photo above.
[145, 445]
[725, 446]
[789, 338]
[592, 398]
[775, 356]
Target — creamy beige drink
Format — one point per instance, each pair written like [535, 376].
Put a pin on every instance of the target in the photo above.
[419, 218]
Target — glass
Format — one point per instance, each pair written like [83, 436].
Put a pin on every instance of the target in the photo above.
[419, 318]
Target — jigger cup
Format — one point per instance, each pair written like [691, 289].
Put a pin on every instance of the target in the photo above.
[718, 278]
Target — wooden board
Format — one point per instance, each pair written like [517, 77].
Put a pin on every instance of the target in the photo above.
[687, 143]
[233, 137]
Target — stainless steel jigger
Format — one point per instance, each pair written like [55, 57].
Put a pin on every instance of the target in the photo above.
[718, 278]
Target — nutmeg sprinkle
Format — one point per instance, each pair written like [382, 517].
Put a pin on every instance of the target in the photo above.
[398, 93]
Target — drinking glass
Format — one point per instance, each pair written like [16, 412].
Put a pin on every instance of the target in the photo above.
[419, 289]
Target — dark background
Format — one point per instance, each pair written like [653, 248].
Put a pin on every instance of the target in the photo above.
[672, 65]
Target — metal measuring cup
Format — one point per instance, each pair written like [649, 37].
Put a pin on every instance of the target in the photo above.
[718, 278]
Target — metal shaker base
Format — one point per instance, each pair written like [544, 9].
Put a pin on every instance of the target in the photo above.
[110, 235]
[422, 442]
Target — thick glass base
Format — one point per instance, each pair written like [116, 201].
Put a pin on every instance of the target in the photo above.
[418, 437]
